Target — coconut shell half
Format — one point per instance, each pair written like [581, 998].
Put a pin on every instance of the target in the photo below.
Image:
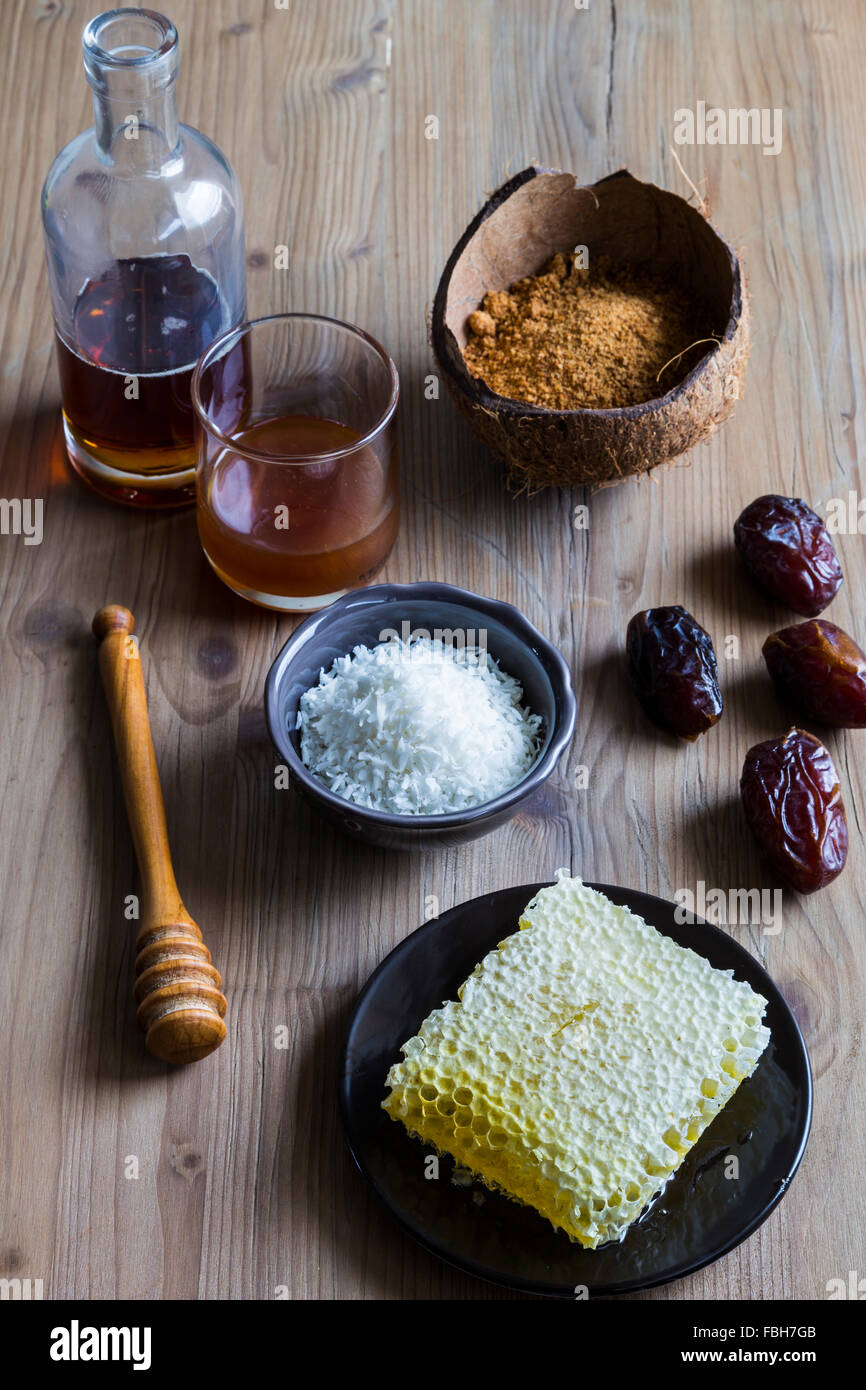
[532, 217]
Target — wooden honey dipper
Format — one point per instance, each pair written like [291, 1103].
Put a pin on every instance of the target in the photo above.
[177, 989]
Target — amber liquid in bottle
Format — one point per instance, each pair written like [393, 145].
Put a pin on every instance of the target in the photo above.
[298, 530]
[125, 380]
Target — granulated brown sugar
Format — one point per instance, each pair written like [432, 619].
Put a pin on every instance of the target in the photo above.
[569, 338]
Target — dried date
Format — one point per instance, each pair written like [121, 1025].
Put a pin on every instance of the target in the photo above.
[673, 669]
[791, 797]
[787, 549]
[820, 671]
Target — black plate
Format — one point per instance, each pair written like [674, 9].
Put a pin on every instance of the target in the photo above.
[701, 1214]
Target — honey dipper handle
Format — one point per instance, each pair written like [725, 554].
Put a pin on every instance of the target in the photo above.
[120, 667]
[178, 990]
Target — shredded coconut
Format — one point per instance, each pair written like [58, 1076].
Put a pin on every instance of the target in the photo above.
[417, 728]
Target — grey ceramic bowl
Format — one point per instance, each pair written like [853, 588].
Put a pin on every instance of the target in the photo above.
[359, 618]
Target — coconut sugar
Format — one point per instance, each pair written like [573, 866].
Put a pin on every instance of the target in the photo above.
[570, 338]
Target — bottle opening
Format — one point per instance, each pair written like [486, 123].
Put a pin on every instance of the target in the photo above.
[128, 39]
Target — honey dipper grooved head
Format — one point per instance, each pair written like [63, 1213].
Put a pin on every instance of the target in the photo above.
[186, 1036]
[180, 1006]
[183, 1020]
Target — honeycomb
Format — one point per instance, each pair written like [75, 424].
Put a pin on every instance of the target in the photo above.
[584, 1057]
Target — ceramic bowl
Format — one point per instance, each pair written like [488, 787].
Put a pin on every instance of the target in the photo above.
[361, 617]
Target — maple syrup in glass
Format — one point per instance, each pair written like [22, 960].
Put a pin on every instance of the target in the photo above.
[138, 331]
[297, 488]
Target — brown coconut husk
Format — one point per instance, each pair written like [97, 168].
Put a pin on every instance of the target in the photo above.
[532, 217]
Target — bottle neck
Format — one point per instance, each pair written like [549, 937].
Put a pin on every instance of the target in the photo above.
[141, 133]
[131, 62]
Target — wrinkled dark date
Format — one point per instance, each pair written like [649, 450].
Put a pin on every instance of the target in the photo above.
[673, 669]
[787, 549]
[792, 801]
[820, 672]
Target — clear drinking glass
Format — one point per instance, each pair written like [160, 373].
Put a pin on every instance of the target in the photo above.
[145, 250]
[296, 481]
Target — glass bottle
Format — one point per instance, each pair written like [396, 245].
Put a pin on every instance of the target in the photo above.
[144, 242]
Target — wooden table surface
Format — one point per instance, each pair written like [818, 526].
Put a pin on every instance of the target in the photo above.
[244, 1185]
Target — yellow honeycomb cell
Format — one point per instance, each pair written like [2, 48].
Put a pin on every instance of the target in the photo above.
[583, 1058]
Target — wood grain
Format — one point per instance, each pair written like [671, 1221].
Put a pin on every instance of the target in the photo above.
[243, 1187]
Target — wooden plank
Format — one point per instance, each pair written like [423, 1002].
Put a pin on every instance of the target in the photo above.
[244, 1185]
